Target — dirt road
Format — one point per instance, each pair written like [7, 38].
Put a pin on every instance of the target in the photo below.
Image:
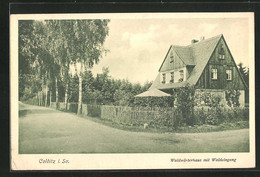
[45, 130]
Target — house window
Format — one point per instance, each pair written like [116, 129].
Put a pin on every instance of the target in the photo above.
[221, 56]
[172, 77]
[229, 74]
[181, 75]
[171, 58]
[163, 78]
[214, 74]
[221, 53]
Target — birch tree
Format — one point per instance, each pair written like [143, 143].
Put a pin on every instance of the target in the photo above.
[36, 49]
[87, 46]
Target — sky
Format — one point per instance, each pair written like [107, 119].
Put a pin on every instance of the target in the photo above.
[137, 47]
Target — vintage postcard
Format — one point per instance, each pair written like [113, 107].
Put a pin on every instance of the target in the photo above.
[132, 91]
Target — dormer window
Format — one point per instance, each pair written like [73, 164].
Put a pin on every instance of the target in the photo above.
[181, 76]
[221, 53]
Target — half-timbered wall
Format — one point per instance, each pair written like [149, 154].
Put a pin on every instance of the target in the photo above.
[221, 65]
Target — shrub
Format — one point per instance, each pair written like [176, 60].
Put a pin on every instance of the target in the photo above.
[216, 116]
[185, 97]
[246, 114]
[206, 98]
[232, 97]
[32, 101]
[212, 118]
[73, 107]
[94, 110]
[200, 115]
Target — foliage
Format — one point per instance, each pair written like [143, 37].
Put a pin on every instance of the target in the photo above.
[206, 98]
[48, 48]
[102, 89]
[232, 97]
[73, 89]
[211, 118]
[73, 107]
[94, 110]
[244, 71]
[185, 102]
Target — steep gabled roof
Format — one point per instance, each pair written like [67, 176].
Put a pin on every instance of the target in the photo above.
[185, 54]
[197, 54]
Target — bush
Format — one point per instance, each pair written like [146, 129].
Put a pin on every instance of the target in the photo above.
[94, 110]
[246, 114]
[211, 118]
[185, 103]
[73, 107]
[31, 101]
[200, 116]
[232, 97]
[216, 116]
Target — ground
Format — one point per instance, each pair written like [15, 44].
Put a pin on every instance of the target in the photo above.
[45, 130]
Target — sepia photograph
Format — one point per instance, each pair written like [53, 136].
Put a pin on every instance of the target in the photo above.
[177, 88]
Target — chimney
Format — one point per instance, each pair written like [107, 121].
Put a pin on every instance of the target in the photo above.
[202, 38]
[193, 41]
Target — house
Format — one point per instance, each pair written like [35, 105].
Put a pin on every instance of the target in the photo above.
[208, 64]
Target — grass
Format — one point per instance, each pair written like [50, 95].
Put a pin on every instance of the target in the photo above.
[59, 132]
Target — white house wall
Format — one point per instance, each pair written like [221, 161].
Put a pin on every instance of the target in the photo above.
[176, 75]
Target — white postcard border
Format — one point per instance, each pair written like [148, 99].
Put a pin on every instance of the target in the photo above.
[124, 160]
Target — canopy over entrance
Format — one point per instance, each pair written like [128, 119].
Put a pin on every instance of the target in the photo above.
[153, 93]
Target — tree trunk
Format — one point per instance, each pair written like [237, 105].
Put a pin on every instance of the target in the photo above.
[38, 99]
[40, 96]
[57, 93]
[46, 98]
[80, 90]
[80, 94]
[66, 95]
[42, 93]
[50, 95]
[46, 91]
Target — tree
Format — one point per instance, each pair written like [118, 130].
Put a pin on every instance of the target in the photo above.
[244, 72]
[66, 54]
[33, 52]
[55, 42]
[245, 75]
[26, 57]
[86, 41]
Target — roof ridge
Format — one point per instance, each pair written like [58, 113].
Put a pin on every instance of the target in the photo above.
[179, 46]
[205, 40]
